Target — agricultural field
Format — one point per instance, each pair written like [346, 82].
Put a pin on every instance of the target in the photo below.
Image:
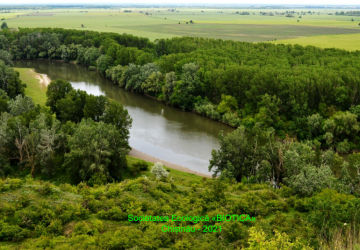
[155, 23]
[349, 42]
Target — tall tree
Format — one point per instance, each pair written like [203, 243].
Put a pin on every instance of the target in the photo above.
[57, 90]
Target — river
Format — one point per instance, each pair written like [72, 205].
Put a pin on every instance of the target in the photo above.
[167, 133]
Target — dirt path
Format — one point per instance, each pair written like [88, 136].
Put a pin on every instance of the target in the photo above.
[43, 78]
[137, 154]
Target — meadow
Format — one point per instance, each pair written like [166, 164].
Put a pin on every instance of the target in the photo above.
[156, 23]
[33, 89]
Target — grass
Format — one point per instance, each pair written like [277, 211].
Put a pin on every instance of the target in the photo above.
[34, 89]
[348, 42]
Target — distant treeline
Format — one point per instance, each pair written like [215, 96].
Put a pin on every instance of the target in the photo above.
[305, 92]
[348, 13]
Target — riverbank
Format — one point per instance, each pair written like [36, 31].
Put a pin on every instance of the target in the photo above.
[140, 155]
[32, 89]
[36, 84]
[43, 78]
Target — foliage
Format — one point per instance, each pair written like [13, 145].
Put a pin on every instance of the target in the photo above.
[158, 171]
[96, 148]
[281, 241]
[4, 25]
[21, 105]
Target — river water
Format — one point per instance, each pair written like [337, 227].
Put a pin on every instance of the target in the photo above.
[167, 133]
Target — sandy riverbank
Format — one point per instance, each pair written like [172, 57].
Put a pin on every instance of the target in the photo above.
[137, 154]
[43, 78]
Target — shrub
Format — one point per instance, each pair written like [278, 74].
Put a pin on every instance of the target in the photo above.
[291, 201]
[97, 179]
[45, 189]
[68, 188]
[284, 191]
[15, 183]
[10, 232]
[24, 200]
[7, 209]
[82, 228]
[159, 171]
[244, 180]
[258, 240]
[113, 192]
[141, 165]
[165, 187]
[231, 119]
[98, 225]
[55, 227]
[115, 213]
[277, 205]
[182, 245]
[234, 231]
[81, 213]
[251, 204]
[302, 205]
[3, 186]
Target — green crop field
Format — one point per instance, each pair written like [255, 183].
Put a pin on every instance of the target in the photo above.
[349, 42]
[244, 32]
[335, 30]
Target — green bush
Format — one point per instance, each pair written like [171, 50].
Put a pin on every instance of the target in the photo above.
[45, 189]
[165, 187]
[81, 213]
[141, 165]
[2, 186]
[10, 232]
[277, 205]
[55, 228]
[250, 203]
[284, 191]
[302, 205]
[15, 183]
[113, 192]
[115, 213]
[97, 179]
[235, 231]
[68, 188]
[82, 228]
[24, 200]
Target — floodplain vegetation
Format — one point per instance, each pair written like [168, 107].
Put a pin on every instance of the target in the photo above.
[292, 162]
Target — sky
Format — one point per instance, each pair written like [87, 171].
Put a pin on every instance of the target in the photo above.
[190, 2]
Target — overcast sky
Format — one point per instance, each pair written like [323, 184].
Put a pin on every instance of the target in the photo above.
[192, 2]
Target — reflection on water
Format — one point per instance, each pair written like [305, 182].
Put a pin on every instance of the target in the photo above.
[183, 138]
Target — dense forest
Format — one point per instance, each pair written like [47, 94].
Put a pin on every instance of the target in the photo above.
[292, 161]
[299, 91]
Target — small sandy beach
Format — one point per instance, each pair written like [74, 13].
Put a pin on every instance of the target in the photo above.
[137, 154]
[43, 78]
